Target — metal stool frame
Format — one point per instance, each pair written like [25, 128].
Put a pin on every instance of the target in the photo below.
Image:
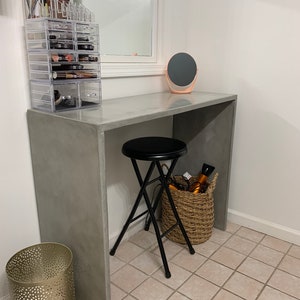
[152, 208]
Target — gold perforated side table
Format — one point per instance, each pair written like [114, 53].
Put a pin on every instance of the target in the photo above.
[42, 272]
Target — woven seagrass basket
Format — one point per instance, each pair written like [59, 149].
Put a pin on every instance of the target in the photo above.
[196, 212]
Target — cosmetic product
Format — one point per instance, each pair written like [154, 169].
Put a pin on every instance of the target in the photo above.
[173, 187]
[57, 57]
[68, 101]
[53, 11]
[73, 75]
[64, 67]
[201, 184]
[82, 39]
[187, 176]
[38, 12]
[62, 57]
[85, 47]
[84, 74]
[58, 98]
[86, 57]
[63, 75]
[60, 45]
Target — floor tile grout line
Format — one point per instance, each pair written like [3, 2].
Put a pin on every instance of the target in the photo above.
[224, 289]
[150, 275]
[282, 292]
[152, 248]
[235, 270]
[191, 273]
[257, 242]
[285, 255]
[175, 291]
[126, 264]
[206, 259]
[194, 272]
[275, 269]
[265, 284]
[248, 256]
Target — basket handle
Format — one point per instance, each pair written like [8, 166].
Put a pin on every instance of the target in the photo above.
[212, 185]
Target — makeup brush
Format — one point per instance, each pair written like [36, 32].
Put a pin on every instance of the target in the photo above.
[33, 7]
[28, 8]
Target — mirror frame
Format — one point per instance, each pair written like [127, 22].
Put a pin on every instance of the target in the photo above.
[128, 66]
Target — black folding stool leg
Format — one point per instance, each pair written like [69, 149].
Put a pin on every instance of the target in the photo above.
[192, 251]
[159, 241]
[155, 204]
[159, 194]
[133, 211]
[131, 218]
[152, 216]
[139, 177]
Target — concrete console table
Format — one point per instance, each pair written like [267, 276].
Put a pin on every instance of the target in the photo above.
[68, 157]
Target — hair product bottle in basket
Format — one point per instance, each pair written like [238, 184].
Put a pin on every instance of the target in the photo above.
[200, 185]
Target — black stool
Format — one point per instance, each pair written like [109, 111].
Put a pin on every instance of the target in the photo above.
[154, 149]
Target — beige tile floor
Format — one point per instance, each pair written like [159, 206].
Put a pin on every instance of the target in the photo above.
[235, 264]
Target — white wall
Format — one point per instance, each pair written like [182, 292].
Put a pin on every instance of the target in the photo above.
[252, 48]
[18, 217]
[18, 213]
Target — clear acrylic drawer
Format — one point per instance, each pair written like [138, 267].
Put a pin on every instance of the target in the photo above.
[55, 97]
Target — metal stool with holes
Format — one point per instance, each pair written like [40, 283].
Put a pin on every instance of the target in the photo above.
[155, 150]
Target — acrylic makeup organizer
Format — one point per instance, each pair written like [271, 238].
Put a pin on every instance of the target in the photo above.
[64, 60]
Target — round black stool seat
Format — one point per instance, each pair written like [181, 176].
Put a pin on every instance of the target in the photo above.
[154, 148]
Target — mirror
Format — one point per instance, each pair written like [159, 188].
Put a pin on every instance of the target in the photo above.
[181, 73]
[127, 29]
